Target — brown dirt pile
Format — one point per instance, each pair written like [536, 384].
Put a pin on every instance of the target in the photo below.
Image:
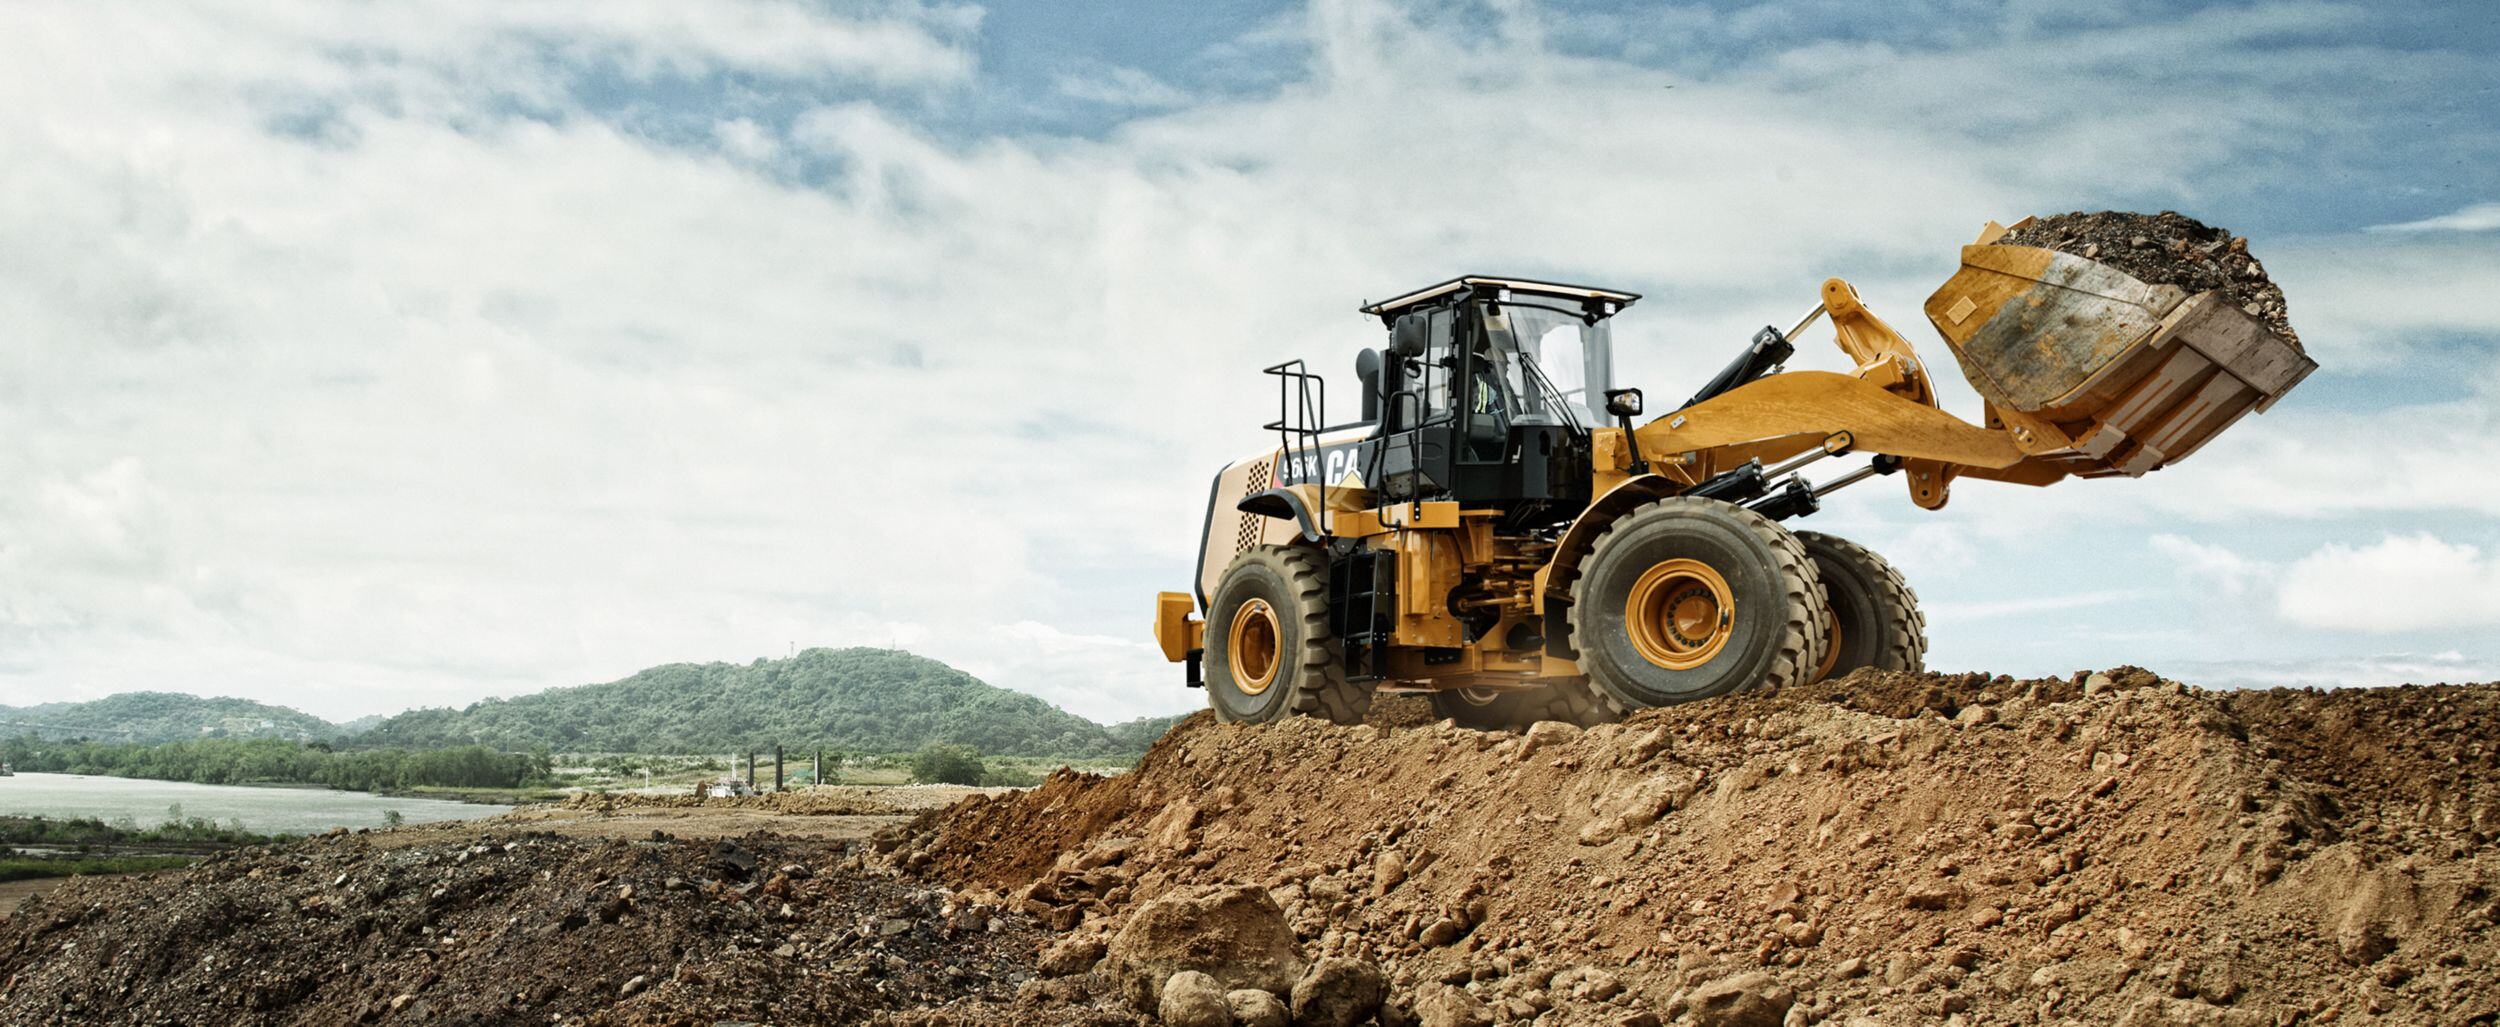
[1884, 849]
[519, 929]
[1887, 849]
[2168, 248]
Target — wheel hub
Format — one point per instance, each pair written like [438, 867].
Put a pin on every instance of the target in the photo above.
[1680, 614]
[1251, 647]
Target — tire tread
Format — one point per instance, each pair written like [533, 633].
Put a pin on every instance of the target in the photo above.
[1905, 628]
[1802, 637]
[1320, 688]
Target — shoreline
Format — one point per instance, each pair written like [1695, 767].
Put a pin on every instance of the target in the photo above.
[471, 796]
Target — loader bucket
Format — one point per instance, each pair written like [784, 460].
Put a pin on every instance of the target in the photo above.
[2099, 372]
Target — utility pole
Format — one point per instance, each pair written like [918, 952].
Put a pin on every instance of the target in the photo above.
[750, 772]
[776, 766]
[820, 767]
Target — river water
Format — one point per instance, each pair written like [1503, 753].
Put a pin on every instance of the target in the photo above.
[262, 810]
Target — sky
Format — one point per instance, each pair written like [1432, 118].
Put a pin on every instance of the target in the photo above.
[358, 357]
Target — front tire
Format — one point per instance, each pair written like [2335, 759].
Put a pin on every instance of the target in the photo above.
[1268, 650]
[1875, 617]
[1572, 702]
[1689, 599]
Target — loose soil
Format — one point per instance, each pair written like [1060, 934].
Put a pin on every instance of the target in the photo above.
[523, 929]
[2168, 248]
[15, 893]
[1886, 848]
[1882, 849]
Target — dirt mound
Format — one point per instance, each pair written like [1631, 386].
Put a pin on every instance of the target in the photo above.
[2168, 248]
[1397, 710]
[1882, 849]
[527, 929]
[1901, 847]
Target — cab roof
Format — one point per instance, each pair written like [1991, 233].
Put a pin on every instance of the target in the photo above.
[1609, 299]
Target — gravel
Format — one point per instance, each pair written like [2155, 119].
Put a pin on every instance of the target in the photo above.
[2168, 248]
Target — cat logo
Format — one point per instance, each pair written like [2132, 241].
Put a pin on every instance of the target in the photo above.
[1337, 463]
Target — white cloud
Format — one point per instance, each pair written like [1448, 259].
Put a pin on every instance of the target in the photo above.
[2376, 302]
[356, 359]
[2479, 217]
[2400, 583]
[2369, 670]
[743, 139]
[1122, 87]
[2219, 567]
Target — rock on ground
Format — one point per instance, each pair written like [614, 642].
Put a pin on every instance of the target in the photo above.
[1748, 1000]
[1255, 1008]
[1071, 955]
[1337, 992]
[1193, 999]
[1235, 934]
[1442, 1005]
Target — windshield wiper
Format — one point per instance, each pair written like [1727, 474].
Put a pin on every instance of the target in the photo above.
[1553, 393]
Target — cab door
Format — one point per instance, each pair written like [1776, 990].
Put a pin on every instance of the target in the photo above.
[1421, 421]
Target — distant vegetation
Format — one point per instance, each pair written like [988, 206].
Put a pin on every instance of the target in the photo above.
[70, 846]
[87, 832]
[863, 700]
[14, 868]
[150, 717]
[877, 706]
[944, 763]
[1134, 737]
[270, 761]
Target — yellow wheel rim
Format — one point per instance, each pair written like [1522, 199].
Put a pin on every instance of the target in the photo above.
[1251, 647]
[1831, 648]
[1680, 614]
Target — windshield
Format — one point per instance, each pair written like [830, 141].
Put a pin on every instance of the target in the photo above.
[1544, 353]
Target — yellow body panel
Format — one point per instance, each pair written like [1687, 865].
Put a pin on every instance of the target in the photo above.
[1176, 632]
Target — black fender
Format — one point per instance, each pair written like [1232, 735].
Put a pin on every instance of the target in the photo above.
[1284, 505]
[1564, 567]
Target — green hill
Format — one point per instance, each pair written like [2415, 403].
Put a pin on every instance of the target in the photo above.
[875, 700]
[1133, 736]
[152, 717]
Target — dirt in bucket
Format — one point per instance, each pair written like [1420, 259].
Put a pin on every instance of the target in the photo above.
[2168, 248]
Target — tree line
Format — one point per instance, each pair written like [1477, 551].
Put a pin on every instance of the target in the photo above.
[861, 700]
[83, 832]
[223, 761]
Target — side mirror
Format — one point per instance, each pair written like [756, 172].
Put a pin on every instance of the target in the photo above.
[1623, 402]
[1367, 368]
[1410, 336]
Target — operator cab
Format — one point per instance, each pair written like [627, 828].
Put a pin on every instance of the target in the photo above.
[1487, 392]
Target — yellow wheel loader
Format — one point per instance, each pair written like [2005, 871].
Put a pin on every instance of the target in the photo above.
[1497, 531]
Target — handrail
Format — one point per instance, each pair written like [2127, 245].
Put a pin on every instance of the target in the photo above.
[1298, 422]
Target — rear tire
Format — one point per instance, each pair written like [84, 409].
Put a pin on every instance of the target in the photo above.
[1875, 617]
[1689, 599]
[1572, 702]
[1268, 650]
